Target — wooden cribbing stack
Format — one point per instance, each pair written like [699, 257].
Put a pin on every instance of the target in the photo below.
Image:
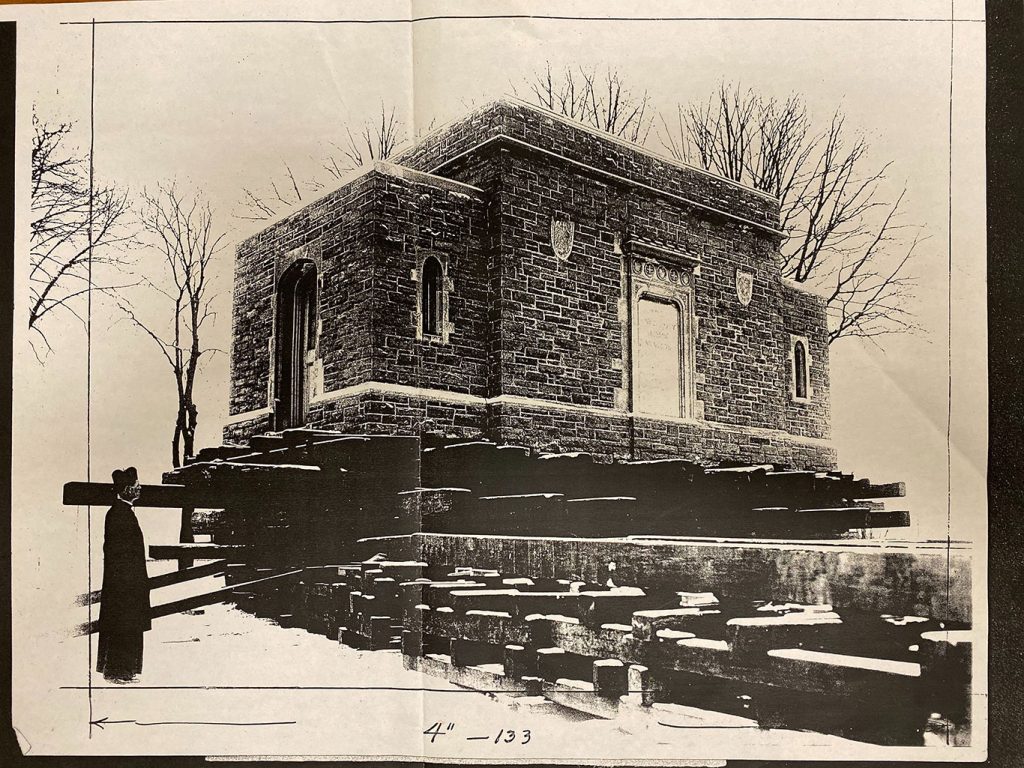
[844, 668]
[605, 587]
[304, 488]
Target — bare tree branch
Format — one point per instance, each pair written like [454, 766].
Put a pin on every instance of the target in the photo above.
[374, 139]
[600, 100]
[59, 257]
[840, 232]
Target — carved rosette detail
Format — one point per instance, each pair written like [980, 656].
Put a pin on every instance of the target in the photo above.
[660, 272]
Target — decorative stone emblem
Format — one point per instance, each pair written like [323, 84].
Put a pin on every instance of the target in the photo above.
[744, 286]
[562, 232]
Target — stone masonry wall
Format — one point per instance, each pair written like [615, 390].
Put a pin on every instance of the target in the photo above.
[615, 435]
[417, 218]
[559, 324]
[526, 324]
[608, 435]
[804, 314]
[559, 321]
[373, 412]
[338, 235]
[552, 133]
[367, 239]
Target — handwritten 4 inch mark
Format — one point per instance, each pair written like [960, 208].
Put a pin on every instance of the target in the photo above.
[504, 735]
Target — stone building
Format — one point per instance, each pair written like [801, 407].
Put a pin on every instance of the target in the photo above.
[518, 277]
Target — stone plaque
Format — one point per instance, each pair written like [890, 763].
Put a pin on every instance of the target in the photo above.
[659, 359]
[562, 231]
[744, 286]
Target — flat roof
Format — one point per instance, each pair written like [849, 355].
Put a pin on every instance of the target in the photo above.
[604, 135]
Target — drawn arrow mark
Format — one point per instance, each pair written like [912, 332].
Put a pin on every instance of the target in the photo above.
[103, 721]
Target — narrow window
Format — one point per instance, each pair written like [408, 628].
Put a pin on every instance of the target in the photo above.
[800, 370]
[433, 278]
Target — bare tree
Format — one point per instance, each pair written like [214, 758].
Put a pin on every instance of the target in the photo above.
[281, 194]
[841, 234]
[600, 100]
[181, 232]
[66, 221]
[377, 139]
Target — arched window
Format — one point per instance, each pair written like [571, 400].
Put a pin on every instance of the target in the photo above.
[800, 369]
[431, 309]
[800, 363]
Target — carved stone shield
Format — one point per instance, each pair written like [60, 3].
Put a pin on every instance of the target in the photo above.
[744, 286]
[561, 237]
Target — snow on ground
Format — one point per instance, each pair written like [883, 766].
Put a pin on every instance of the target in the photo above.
[222, 665]
[297, 693]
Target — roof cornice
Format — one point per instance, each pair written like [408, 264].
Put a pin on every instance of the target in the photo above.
[501, 138]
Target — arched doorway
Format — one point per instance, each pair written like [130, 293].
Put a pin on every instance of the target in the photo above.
[296, 334]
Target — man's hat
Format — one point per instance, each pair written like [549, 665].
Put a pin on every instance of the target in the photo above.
[125, 477]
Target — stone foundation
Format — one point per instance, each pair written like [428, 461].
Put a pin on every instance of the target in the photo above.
[550, 427]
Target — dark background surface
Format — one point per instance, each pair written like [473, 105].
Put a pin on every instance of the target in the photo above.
[1005, 46]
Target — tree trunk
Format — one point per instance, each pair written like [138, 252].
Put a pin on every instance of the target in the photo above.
[185, 536]
[189, 432]
[176, 446]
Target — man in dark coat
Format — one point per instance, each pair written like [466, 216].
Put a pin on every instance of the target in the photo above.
[124, 601]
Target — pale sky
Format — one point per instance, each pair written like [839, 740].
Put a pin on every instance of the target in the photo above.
[221, 107]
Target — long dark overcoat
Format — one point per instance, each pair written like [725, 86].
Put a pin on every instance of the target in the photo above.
[124, 604]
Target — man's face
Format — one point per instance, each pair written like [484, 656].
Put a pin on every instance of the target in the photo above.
[132, 492]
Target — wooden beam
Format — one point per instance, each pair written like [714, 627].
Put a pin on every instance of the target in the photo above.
[828, 672]
[167, 496]
[305, 435]
[612, 641]
[214, 568]
[220, 452]
[647, 624]
[216, 596]
[884, 491]
[224, 484]
[166, 579]
[300, 446]
[480, 626]
[196, 601]
[743, 470]
[909, 580]
[196, 551]
[266, 442]
[888, 518]
[247, 477]
[283, 454]
[222, 488]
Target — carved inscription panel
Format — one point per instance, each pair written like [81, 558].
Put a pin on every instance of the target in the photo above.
[659, 359]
